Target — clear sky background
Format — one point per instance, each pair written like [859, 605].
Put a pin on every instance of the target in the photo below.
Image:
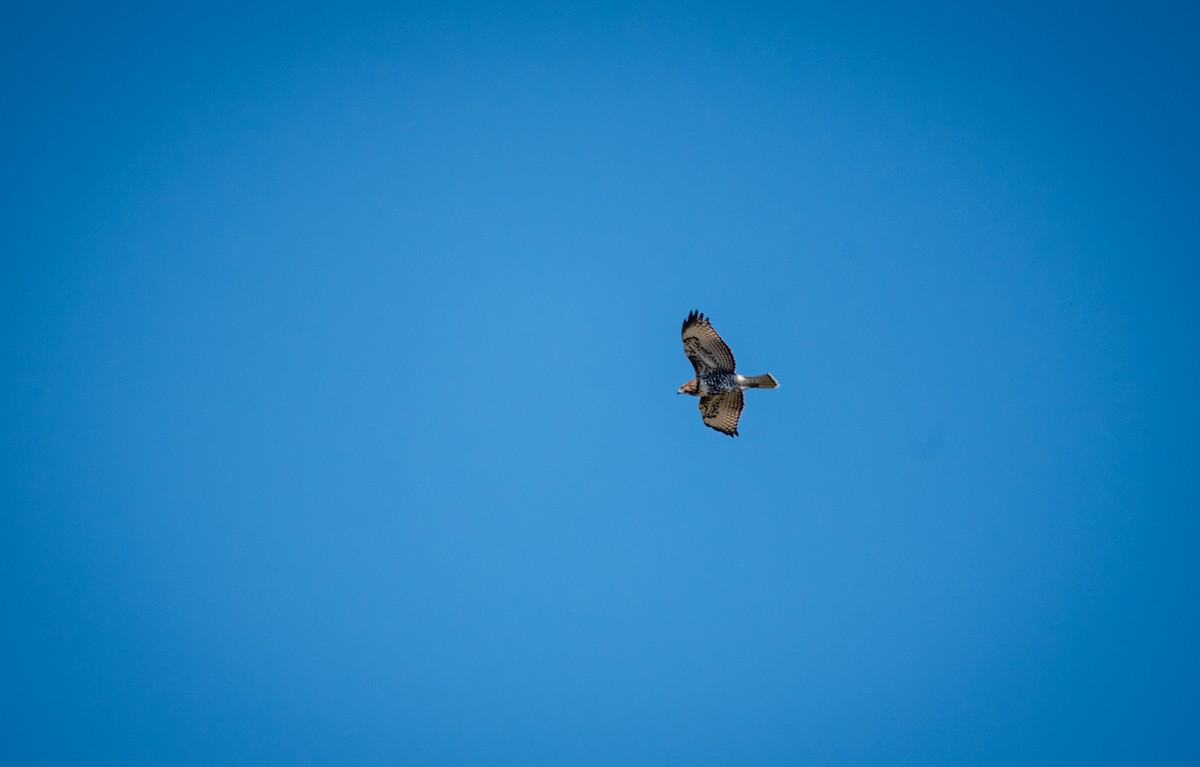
[340, 348]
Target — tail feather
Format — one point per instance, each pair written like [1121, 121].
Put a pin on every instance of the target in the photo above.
[765, 381]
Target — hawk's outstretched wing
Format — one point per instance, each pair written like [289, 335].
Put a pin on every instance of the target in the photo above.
[722, 411]
[707, 351]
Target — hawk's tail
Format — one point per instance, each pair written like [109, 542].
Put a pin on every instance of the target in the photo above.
[765, 381]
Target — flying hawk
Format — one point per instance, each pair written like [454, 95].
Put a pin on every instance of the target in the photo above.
[718, 387]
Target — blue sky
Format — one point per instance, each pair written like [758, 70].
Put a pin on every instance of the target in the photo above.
[340, 354]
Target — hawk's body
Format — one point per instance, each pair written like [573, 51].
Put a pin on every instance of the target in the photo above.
[716, 384]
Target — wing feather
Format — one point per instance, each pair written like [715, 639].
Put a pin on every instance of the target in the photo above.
[723, 411]
[704, 347]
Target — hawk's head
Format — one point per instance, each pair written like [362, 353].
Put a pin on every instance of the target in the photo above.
[692, 387]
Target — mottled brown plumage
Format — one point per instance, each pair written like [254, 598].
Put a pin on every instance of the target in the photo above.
[717, 384]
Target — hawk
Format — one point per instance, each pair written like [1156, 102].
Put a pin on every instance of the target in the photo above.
[718, 387]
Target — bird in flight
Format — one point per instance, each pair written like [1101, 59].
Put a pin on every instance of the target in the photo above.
[716, 384]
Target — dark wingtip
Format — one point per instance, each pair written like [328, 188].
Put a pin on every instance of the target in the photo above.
[694, 318]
